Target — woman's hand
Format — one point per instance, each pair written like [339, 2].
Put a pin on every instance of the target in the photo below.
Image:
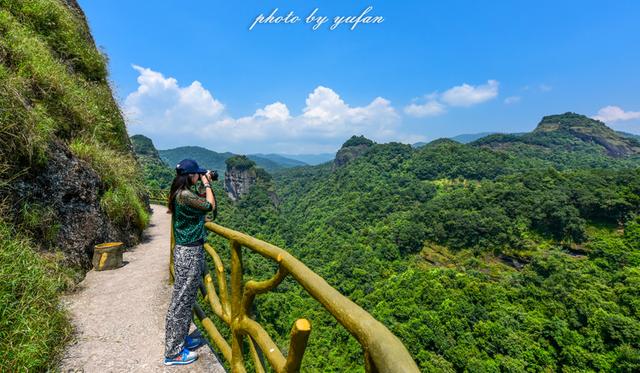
[204, 178]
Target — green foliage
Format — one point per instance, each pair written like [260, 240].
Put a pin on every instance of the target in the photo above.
[357, 140]
[157, 175]
[33, 327]
[530, 283]
[40, 221]
[240, 162]
[124, 186]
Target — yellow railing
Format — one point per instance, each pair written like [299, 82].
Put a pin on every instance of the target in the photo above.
[158, 196]
[383, 351]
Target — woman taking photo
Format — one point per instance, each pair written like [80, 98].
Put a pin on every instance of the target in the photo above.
[189, 209]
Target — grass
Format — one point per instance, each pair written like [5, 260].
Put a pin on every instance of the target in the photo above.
[53, 86]
[33, 326]
[122, 177]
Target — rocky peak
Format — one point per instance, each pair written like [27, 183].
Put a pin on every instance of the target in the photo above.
[351, 149]
[240, 176]
[143, 146]
[589, 130]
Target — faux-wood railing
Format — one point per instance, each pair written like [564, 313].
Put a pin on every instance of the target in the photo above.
[383, 351]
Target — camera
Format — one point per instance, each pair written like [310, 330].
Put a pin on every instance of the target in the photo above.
[213, 174]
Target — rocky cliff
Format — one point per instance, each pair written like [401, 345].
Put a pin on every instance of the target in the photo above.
[240, 176]
[66, 194]
[351, 149]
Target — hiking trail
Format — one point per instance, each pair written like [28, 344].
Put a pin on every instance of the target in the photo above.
[119, 315]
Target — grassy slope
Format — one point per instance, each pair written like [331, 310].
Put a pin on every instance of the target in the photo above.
[53, 85]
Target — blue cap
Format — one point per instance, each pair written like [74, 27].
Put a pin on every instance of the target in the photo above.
[189, 166]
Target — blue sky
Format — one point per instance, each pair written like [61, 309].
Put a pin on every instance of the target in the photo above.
[191, 72]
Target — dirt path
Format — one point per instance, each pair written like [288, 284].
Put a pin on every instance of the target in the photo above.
[119, 314]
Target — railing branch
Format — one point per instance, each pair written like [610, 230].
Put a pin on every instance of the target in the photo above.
[208, 325]
[220, 276]
[387, 352]
[252, 288]
[257, 362]
[268, 347]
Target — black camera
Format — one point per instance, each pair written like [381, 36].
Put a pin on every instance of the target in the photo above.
[213, 174]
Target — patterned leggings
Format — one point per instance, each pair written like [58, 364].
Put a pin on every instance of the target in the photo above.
[187, 264]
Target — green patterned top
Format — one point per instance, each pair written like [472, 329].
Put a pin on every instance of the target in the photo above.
[188, 216]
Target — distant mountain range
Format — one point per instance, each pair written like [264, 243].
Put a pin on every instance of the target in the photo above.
[216, 161]
[471, 137]
[310, 159]
[553, 131]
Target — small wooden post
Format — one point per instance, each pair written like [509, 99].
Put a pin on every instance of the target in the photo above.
[107, 256]
[299, 336]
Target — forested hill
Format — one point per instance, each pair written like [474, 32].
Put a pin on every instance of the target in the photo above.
[68, 178]
[567, 140]
[513, 257]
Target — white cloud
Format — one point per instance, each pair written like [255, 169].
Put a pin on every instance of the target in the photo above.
[161, 108]
[464, 95]
[428, 109]
[468, 95]
[611, 114]
[512, 100]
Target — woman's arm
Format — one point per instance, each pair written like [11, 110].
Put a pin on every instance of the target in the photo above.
[206, 181]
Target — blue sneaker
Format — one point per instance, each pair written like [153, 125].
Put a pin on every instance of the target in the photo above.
[184, 357]
[193, 343]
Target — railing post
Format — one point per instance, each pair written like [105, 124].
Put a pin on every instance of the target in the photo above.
[237, 365]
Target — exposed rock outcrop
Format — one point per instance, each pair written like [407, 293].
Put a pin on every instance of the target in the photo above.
[351, 149]
[72, 189]
[240, 176]
[589, 130]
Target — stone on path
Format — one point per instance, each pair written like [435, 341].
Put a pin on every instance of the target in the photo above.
[119, 314]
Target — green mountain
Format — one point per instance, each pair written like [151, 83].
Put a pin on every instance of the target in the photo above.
[467, 138]
[216, 161]
[311, 159]
[568, 132]
[206, 158]
[280, 159]
[477, 257]
[157, 174]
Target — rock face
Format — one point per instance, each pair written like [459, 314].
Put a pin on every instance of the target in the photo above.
[240, 176]
[72, 189]
[237, 182]
[351, 149]
[589, 130]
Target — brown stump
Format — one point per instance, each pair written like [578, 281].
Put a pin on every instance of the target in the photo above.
[107, 256]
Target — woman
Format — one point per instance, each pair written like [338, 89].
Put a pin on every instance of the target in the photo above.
[189, 209]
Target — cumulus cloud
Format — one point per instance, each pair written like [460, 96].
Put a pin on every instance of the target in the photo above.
[468, 95]
[430, 108]
[464, 95]
[161, 108]
[611, 114]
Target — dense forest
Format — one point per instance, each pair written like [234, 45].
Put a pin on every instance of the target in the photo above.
[511, 253]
